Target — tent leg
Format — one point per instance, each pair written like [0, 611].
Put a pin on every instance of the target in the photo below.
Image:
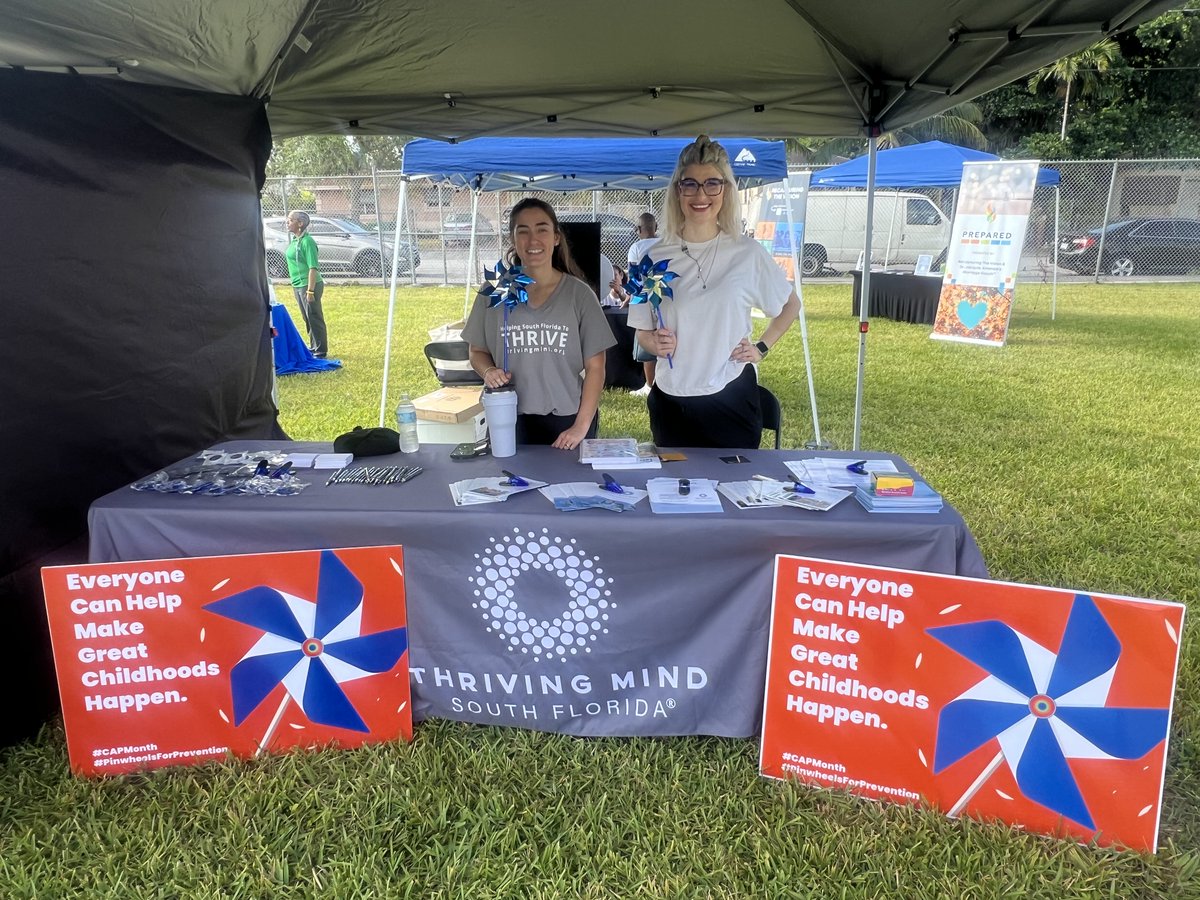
[864, 297]
[471, 255]
[797, 279]
[401, 198]
[1054, 258]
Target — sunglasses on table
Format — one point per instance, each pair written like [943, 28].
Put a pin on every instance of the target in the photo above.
[712, 186]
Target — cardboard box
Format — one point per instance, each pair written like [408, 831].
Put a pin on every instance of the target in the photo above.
[473, 429]
[452, 405]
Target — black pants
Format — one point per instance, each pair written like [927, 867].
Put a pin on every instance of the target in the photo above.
[545, 429]
[314, 319]
[729, 418]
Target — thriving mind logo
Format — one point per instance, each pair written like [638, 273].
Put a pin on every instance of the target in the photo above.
[497, 580]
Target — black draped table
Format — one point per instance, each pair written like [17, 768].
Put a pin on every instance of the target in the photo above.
[587, 622]
[900, 296]
[620, 368]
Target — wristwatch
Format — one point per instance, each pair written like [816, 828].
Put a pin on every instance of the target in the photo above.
[763, 348]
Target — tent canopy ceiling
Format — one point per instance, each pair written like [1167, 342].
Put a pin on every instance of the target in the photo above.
[931, 164]
[775, 68]
[575, 164]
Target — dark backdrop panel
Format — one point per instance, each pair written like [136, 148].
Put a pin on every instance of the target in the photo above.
[134, 314]
[584, 240]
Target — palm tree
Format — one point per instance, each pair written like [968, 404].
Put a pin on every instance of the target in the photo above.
[1086, 66]
[959, 125]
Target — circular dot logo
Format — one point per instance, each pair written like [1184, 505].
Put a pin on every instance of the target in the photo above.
[497, 581]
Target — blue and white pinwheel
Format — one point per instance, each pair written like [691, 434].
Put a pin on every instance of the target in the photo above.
[310, 648]
[506, 285]
[1043, 707]
[649, 282]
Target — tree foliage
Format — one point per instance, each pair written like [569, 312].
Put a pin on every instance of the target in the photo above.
[334, 154]
[1137, 95]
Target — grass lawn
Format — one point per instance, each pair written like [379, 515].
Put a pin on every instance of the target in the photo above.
[1074, 455]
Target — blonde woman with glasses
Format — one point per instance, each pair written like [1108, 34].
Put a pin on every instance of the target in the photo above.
[705, 390]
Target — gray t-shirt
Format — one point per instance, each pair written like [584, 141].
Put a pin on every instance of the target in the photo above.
[547, 346]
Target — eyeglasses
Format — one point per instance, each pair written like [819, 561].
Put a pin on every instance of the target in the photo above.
[712, 186]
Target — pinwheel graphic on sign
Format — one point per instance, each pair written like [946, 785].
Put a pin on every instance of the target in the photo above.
[1044, 708]
[311, 648]
[648, 282]
[507, 286]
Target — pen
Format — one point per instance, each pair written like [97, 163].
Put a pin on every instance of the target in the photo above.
[412, 473]
[514, 480]
[610, 484]
[800, 487]
[858, 468]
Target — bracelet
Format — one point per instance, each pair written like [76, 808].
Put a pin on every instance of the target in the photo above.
[310, 292]
[488, 369]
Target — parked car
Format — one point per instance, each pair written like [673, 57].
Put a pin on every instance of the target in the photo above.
[457, 229]
[1134, 247]
[342, 247]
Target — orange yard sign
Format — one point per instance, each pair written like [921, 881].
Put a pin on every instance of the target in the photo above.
[1048, 709]
[181, 661]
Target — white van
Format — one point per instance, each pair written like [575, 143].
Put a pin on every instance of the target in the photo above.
[907, 225]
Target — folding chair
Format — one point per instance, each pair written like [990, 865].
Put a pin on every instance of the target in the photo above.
[450, 361]
[772, 413]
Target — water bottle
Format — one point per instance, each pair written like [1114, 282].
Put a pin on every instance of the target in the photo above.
[406, 424]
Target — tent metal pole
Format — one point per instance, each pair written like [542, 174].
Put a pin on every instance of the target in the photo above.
[797, 280]
[378, 223]
[401, 198]
[1054, 258]
[471, 253]
[864, 297]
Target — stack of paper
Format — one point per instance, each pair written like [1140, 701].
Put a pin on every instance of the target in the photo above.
[588, 495]
[924, 499]
[766, 494]
[684, 495]
[833, 471]
[608, 451]
[488, 490]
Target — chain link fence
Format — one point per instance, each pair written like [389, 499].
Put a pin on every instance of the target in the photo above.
[1116, 219]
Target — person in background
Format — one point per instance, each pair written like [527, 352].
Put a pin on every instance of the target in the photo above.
[558, 334]
[707, 394]
[647, 231]
[307, 283]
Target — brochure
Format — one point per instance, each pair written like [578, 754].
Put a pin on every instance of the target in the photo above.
[608, 451]
[684, 495]
[764, 494]
[833, 471]
[495, 489]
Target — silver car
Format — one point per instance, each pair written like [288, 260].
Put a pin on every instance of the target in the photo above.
[342, 247]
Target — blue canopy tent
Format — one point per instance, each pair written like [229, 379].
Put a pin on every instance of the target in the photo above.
[578, 164]
[932, 164]
[575, 164]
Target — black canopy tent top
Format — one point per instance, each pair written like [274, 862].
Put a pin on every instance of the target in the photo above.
[135, 174]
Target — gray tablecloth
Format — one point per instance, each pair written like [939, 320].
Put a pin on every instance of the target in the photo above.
[588, 622]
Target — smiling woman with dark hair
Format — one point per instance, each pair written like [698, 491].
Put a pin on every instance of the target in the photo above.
[558, 334]
[706, 395]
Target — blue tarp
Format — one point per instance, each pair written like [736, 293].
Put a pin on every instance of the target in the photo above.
[932, 164]
[575, 164]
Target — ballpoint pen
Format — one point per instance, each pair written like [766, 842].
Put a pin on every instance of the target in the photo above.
[513, 480]
[610, 484]
[800, 487]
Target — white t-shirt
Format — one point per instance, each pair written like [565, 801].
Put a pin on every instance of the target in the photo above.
[709, 321]
[639, 247]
